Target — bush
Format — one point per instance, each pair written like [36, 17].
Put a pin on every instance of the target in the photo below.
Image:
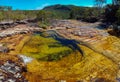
[118, 16]
[42, 25]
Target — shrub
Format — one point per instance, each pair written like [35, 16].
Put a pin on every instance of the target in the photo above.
[42, 25]
[118, 16]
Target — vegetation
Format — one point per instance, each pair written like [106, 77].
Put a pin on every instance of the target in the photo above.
[16, 15]
[65, 12]
[1, 16]
[100, 3]
[110, 14]
[74, 12]
[116, 2]
[43, 25]
[118, 16]
[45, 49]
[50, 12]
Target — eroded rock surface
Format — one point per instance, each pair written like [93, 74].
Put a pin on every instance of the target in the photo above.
[99, 63]
[11, 72]
[19, 29]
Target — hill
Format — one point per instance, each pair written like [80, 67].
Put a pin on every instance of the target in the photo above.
[62, 11]
[88, 14]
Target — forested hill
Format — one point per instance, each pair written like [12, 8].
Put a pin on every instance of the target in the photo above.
[63, 11]
[70, 11]
[60, 7]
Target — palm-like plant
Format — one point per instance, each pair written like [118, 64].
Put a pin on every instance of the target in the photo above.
[116, 2]
[100, 3]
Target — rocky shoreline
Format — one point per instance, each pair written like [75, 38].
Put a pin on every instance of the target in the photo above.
[19, 29]
[12, 71]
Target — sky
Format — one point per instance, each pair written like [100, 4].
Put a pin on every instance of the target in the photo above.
[39, 4]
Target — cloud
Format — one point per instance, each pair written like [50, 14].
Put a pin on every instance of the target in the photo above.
[42, 6]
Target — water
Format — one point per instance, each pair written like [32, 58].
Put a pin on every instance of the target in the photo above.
[26, 59]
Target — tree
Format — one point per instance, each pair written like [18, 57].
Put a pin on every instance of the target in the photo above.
[17, 15]
[116, 2]
[42, 15]
[118, 16]
[100, 3]
[5, 8]
[1, 16]
[75, 12]
[110, 13]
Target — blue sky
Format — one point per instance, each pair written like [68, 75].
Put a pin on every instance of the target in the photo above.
[39, 4]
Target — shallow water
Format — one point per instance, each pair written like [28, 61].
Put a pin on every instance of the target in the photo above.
[26, 59]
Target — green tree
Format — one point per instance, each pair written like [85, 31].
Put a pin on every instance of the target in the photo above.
[99, 3]
[116, 2]
[118, 16]
[1, 16]
[42, 15]
[17, 15]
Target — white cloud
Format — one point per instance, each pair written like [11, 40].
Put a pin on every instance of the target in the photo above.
[42, 6]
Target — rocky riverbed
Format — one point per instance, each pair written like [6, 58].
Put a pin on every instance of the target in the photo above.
[19, 29]
[12, 70]
[99, 61]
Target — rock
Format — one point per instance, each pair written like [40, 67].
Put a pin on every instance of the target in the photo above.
[19, 29]
[87, 78]
[118, 74]
[21, 22]
[11, 72]
[62, 81]
[93, 75]
[4, 49]
[100, 80]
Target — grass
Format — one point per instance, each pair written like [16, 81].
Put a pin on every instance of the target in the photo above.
[45, 48]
